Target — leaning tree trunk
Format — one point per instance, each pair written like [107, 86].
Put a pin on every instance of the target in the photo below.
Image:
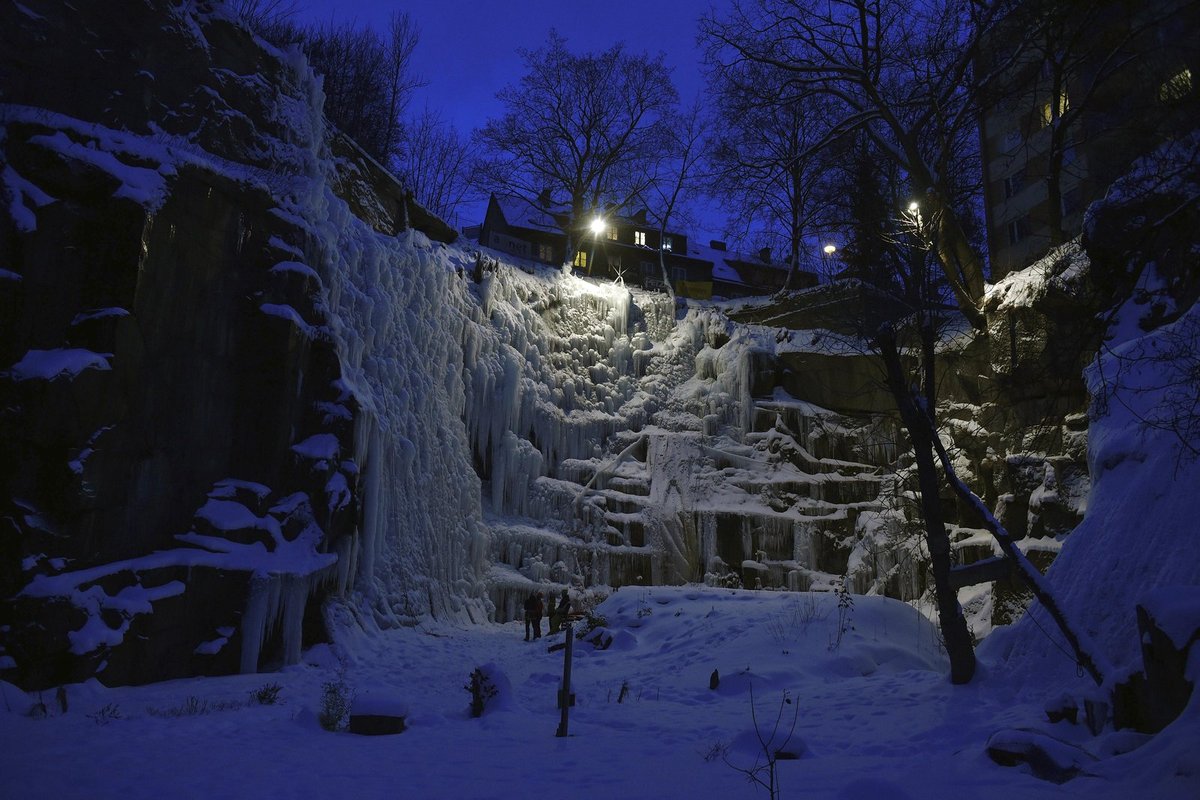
[1087, 655]
[955, 633]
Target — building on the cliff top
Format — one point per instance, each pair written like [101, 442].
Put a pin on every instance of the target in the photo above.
[629, 248]
[1070, 104]
[737, 274]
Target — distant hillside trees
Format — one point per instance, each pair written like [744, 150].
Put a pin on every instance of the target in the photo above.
[369, 79]
[368, 76]
[579, 132]
[436, 163]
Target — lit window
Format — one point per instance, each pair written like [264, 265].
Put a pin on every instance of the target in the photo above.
[639, 237]
[1050, 113]
[612, 232]
[1175, 88]
[581, 259]
[667, 243]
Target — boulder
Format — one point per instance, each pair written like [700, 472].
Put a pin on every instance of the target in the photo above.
[1046, 757]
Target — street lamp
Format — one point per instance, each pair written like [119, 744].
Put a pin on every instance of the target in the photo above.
[597, 227]
[827, 263]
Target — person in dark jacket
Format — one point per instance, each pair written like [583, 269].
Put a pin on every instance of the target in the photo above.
[562, 613]
[533, 616]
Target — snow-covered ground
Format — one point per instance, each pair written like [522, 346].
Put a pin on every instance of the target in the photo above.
[875, 716]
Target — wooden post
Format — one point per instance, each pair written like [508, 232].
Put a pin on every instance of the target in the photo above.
[564, 694]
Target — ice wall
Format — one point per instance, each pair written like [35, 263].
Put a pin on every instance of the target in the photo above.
[397, 307]
[618, 445]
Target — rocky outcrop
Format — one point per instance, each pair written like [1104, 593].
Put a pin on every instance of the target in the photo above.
[173, 480]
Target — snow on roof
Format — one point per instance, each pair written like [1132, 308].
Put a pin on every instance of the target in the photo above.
[722, 262]
[521, 213]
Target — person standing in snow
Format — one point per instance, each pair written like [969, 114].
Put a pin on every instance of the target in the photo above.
[533, 616]
[551, 622]
[564, 609]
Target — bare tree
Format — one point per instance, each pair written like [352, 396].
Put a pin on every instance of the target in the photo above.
[676, 176]
[899, 73]
[402, 80]
[579, 131]
[435, 163]
[765, 165]
[270, 19]
[368, 78]
[916, 414]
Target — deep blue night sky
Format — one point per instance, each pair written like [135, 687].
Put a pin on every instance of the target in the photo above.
[468, 48]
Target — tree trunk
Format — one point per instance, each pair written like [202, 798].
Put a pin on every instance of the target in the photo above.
[1087, 654]
[961, 264]
[662, 261]
[920, 430]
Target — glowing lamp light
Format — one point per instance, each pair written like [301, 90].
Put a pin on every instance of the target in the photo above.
[830, 249]
[913, 206]
[597, 226]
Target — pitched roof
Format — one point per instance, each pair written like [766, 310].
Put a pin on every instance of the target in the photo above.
[520, 213]
[722, 260]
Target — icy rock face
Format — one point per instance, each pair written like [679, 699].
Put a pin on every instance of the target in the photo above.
[184, 454]
[682, 463]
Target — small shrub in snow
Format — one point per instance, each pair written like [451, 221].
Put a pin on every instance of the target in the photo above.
[106, 715]
[716, 750]
[335, 704]
[786, 626]
[267, 694]
[590, 622]
[845, 606]
[482, 689]
[764, 771]
[194, 707]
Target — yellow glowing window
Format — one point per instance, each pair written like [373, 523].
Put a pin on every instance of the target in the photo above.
[612, 233]
[1177, 87]
[1050, 113]
[581, 259]
[639, 237]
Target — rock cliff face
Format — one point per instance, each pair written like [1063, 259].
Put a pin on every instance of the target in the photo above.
[179, 469]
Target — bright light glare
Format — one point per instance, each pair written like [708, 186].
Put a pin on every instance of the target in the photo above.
[597, 226]
[830, 249]
[913, 206]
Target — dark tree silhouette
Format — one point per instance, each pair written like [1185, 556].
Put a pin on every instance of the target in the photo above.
[579, 133]
[901, 75]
